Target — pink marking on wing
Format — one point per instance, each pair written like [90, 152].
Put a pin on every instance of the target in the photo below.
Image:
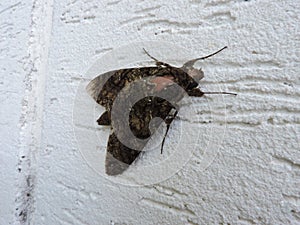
[162, 82]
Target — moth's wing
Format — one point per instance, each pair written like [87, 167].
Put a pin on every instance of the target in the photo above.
[118, 156]
[96, 85]
[105, 87]
[104, 119]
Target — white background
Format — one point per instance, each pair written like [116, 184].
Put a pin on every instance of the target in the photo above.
[46, 47]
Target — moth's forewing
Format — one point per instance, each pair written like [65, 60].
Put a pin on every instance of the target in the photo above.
[95, 86]
[118, 156]
[105, 87]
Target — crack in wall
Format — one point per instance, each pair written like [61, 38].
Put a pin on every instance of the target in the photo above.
[30, 122]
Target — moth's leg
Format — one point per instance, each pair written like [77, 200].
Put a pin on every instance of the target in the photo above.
[157, 62]
[104, 119]
[168, 121]
[195, 92]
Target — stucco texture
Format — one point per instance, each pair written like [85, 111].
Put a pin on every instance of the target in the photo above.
[244, 167]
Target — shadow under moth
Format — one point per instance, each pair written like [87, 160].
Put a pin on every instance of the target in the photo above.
[159, 81]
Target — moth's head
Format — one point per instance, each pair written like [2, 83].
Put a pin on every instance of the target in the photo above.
[196, 74]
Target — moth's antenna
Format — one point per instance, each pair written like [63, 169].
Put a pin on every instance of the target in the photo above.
[205, 57]
[192, 62]
[147, 53]
[157, 62]
[220, 92]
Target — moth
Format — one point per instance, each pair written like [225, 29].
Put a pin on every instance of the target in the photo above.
[163, 78]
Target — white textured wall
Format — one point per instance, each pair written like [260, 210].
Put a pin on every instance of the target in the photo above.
[46, 48]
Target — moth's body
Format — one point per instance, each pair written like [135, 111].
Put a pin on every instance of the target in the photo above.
[163, 77]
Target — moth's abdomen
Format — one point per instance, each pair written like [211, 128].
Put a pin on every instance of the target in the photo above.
[144, 111]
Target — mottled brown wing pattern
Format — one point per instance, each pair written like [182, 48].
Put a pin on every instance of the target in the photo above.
[119, 156]
[105, 88]
[121, 78]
